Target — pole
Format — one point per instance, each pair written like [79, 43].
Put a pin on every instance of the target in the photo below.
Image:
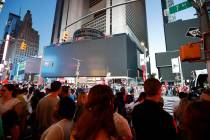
[17, 71]
[181, 73]
[205, 27]
[145, 61]
[77, 69]
[5, 48]
[40, 79]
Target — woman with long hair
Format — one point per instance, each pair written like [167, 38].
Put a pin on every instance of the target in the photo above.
[96, 122]
[81, 101]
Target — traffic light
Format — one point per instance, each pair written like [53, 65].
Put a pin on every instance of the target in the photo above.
[190, 52]
[23, 45]
[65, 36]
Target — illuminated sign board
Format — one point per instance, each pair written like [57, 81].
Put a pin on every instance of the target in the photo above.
[87, 33]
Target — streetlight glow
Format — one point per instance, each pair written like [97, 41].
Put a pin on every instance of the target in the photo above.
[142, 43]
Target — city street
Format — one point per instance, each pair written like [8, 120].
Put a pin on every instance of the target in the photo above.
[96, 69]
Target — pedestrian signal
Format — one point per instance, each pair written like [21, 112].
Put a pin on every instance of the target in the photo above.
[190, 52]
[23, 45]
[65, 36]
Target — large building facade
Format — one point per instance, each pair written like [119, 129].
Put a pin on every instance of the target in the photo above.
[128, 18]
[20, 31]
[124, 28]
[12, 28]
[117, 55]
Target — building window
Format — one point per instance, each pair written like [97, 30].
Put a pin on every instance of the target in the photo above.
[100, 14]
[93, 2]
[98, 23]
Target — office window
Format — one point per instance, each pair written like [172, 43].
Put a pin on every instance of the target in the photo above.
[93, 2]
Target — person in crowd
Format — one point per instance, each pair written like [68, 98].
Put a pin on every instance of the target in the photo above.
[161, 102]
[120, 102]
[11, 110]
[129, 102]
[37, 96]
[186, 100]
[149, 120]
[9, 104]
[141, 97]
[140, 100]
[81, 101]
[205, 95]
[7, 101]
[22, 97]
[64, 91]
[45, 111]
[97, 121]
[197, 121]
[11, 126]
[122, 127]
[62, 129]
[47, 90]
[181, 95]
[72, 94]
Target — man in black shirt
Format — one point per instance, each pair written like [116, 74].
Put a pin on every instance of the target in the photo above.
[149, 120]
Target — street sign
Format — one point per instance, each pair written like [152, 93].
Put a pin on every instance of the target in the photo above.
[193, 32]
[175, 65]
[179, 7]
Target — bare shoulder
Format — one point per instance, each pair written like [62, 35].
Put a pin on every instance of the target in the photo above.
[102, 135]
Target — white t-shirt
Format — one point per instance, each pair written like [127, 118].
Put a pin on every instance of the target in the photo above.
[58, 131]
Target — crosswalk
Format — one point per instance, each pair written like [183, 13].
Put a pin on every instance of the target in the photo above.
[170, 102]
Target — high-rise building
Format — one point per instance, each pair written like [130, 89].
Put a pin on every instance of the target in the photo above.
[12, 28]
[20, 31]
[128, 18]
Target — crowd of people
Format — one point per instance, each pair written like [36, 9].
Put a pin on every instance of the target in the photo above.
[64, 113]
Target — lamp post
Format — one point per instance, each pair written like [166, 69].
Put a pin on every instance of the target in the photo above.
[77, 69]
[128, 72]
[144, 66]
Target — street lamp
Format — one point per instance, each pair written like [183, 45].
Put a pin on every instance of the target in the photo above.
[142, 43]
[128, 72]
